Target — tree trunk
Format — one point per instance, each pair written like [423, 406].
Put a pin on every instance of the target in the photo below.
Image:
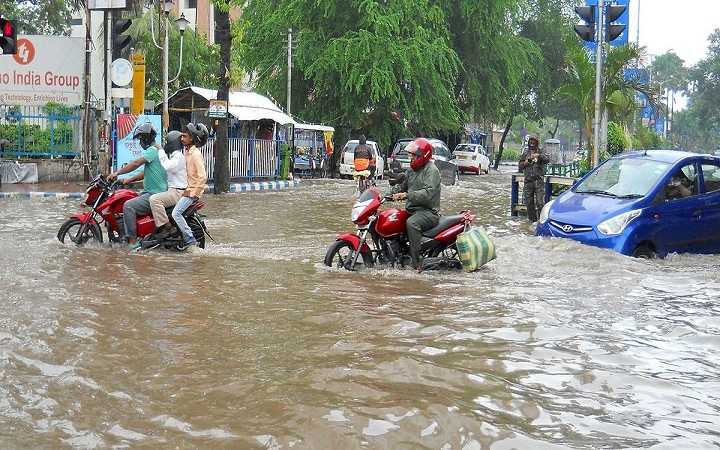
[222, 168]
[498, 157]
[557, 125]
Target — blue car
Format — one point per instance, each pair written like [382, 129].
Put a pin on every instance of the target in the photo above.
[642, 204]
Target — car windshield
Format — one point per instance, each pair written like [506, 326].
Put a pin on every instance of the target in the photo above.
[351, 146]
[399, 150]
[465, 148]
[627, 177]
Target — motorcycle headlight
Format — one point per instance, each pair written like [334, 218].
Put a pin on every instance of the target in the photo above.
[617, 224]
[545, 212]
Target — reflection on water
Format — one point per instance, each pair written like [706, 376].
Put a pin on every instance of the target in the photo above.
[254, 344]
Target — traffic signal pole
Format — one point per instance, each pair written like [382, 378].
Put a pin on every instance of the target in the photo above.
[598, 80]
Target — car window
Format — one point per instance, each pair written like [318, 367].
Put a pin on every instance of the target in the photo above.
[624, 177]
[683, 183]
[441, 150]
[466, 148]
[399, 150]
[711, 177]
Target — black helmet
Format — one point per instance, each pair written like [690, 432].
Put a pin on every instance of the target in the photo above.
[146, 134]
[199, 133]
[362, 139]
[173, 143]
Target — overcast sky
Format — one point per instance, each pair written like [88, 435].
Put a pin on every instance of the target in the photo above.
[680, 25]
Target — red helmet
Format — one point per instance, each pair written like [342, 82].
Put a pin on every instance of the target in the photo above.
[422, 149]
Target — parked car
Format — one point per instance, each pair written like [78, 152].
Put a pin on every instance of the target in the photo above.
[399, 160]
[642, 204]
[347, 163]
[471, 158]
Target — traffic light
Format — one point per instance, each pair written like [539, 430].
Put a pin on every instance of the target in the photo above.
[119, 40]
[586, 31]
[612, 30]
[8, 37]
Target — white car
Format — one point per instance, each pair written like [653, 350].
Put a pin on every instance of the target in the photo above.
[471, 158]
[347, 164]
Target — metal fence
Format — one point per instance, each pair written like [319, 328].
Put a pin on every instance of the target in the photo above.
[248, 158]
[51, 131]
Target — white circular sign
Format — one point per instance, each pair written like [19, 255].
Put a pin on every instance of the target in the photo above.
[121, 72]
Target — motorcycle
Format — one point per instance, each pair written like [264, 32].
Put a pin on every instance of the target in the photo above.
[106, 201]
[381, 238]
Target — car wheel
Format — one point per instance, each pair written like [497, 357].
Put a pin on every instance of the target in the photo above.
[644, 251]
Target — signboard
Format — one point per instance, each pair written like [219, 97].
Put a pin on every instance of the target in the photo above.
[45, 69]
[218, 109]
[106, 4]
[126, 149]
[137, 105]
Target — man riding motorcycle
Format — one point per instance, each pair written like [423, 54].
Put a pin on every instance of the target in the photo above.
[173, 161]
[153, 176]
[421, 190]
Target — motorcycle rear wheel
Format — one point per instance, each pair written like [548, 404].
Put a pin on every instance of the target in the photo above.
[71, 227]
[339, 255]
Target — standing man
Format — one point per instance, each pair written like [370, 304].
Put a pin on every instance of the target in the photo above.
[153, 176]
[194, 136]
[532, 165]
[421, 190]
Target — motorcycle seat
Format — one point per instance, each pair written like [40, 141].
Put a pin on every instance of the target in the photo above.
[444, 223]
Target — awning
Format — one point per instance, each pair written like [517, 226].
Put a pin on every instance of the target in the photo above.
[251, 113]
[312, 126]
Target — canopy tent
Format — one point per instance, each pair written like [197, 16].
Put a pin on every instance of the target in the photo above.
[312, 126]
[244, 106]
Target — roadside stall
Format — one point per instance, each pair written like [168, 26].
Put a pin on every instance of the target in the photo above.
[313, 149]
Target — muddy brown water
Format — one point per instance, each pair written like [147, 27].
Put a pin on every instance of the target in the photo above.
[254, 344]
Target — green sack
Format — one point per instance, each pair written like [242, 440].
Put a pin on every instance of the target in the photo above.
[475, 249]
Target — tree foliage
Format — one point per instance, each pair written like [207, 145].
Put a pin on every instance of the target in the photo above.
[39, 17]
[356, 62]
[199, 57]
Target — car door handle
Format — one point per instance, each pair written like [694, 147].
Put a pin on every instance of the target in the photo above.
[697, 214]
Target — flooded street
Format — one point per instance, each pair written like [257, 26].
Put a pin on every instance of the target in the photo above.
[253, 343]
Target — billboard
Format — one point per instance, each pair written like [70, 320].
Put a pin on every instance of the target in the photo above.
[45, 69]
[126, 149]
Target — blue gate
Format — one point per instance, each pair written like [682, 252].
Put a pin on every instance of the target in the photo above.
[50, 131]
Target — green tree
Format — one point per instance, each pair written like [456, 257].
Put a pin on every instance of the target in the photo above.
[699, 126]
[200, 59]
[357, 62]
[40, 16]
[222, 24]
[580, 86]
[669, 71]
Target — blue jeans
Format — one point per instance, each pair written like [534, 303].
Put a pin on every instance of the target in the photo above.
[177, 214]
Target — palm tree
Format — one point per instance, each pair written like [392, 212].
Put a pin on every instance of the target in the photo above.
[618, 90]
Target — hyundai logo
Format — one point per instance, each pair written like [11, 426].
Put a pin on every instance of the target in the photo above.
[568, 228]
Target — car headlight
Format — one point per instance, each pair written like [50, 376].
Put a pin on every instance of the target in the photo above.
[617, 224]
[545, 212]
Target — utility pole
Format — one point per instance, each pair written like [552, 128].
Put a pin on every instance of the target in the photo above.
[598, 79]
[108, 83]
[166, 53]
[289, 69]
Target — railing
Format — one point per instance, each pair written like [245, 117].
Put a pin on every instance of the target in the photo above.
[564, 170]
[247, 158]
[50, 131]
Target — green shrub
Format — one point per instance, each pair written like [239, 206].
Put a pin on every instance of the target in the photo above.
[617, 140]
[510, 154]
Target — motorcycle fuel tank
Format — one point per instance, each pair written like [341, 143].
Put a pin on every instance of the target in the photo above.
[391, 222]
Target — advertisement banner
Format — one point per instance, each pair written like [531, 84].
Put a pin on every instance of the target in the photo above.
[126, 149]
[328, 135]
[45, 69]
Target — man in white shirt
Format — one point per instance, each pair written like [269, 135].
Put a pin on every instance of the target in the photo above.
[173, 161]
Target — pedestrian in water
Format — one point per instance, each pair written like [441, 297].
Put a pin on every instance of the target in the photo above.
[532, 165]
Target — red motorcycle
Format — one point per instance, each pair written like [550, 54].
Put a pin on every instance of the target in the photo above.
[106, 201]
[381, 238]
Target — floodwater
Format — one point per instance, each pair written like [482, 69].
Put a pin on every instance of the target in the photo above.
[253, 343]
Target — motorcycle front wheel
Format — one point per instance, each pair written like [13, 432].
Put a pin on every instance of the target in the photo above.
[341, 253]
[71, 230]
